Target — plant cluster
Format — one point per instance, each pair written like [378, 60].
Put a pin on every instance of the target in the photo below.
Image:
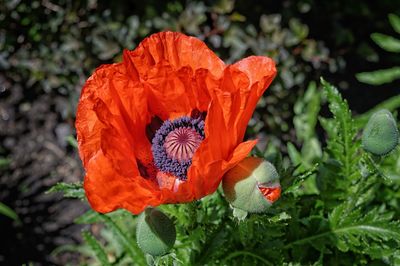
[339, 206]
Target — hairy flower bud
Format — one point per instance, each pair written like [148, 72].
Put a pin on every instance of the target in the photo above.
[252, 185]
[380, 135]
[155, 232]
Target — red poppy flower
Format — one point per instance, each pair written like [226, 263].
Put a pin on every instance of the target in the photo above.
[165, 125]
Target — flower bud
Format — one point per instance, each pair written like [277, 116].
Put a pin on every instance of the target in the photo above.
[252, 185]
[380, 135]
[155, 232]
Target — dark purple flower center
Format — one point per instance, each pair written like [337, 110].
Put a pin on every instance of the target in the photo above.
[175, 143]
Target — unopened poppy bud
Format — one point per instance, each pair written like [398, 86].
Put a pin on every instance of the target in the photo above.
[252, 185]
[380, 135]
[155, 232]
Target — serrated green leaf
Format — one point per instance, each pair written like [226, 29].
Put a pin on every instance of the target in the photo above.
[386, 42]
[341, 138]
[96, 247]
[395, 22]
[70, 190]
[379, 77]
[299, 180]
[283, 216]
[359, 231]
[352, 231]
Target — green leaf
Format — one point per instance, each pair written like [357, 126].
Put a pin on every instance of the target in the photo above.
[352, 226]
[342, 150]
[341, 132]
[306, 113]
[299, 29]
[91, 216]
[294, 154]
[7, 211]
[4, 162]
[395, 22]
[71, 140]
[368, 234]
[299, 179]
[88, 217]
[363, 233]
[386, 42]
[379, 77]
[70, 190]
[97, 248]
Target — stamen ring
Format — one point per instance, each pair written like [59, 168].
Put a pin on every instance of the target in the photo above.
[175, 143]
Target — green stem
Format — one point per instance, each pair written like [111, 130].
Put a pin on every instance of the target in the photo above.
[246, 253]
[307, 239]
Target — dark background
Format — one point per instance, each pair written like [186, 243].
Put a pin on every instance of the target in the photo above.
[49, 48]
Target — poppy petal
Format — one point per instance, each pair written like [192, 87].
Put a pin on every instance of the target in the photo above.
[229, 113]
[87, 123]
[207, 176]
[243, 84]
[111, 103]
[261, 71]
[106, 190]
[111, 99]
[174, 68]
[167, 76]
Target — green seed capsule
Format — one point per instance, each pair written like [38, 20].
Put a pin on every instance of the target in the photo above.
[380, 135]
[155, 232]
[252, 185]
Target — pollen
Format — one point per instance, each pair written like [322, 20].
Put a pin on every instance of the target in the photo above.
[175, 143]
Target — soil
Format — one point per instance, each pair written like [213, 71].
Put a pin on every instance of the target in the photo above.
[33, 136]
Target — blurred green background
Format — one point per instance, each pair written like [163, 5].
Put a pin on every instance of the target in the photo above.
[49, 48]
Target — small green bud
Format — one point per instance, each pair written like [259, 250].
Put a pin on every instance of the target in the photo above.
[155, 232]
[252, 185]
[380, 135]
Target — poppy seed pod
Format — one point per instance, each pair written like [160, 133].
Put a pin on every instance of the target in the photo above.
[380, 135]
[252, 185]
[155, 232]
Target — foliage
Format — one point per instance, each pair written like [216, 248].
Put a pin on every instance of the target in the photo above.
[58, 45]
[332, 211]
[96, 247]
[389, 44]
[7, 211]
[73, 190]
[49, 48]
